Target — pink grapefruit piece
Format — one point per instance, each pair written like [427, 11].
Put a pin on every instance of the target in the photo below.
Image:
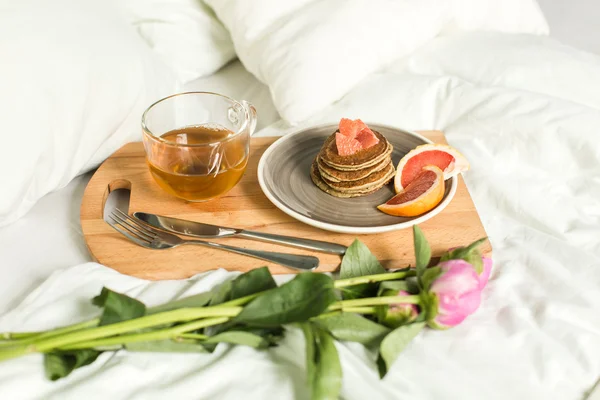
[346, 146]
[367, 138]
[446, 158]
[348, 127]
[351, 128]
[354, 136]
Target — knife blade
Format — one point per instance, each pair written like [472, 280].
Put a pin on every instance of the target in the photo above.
[185, 227]
[203, 230]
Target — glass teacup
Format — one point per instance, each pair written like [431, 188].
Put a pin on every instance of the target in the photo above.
[197, 143]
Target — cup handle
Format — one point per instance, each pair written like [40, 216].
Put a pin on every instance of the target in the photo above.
[253, 118]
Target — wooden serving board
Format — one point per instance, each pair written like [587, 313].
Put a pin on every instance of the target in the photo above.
[245, 206]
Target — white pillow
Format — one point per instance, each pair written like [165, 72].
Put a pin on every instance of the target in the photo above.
[184, 33]
[310, 53]
[509, 16]
[75, 79]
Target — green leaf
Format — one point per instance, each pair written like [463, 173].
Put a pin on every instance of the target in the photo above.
[324, 371]
[271, 335]
[354, 328]
[359, 261]
[304, 297]
[395, 286]
[429, 276]
[60, 364]
[422, 251]
[395, 342]
[328, 374]
[311, 352]
[221, 293]
[429, 307]
[381, 367]
[470, 254]
[359, 291]
[167, 346]
[197, 300]
[117, 307]
[253, 281]
[239, 337]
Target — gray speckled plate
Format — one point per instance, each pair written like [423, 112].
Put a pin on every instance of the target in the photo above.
[284, 177]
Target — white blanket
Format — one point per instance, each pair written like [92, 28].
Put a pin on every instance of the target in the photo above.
[526, 113]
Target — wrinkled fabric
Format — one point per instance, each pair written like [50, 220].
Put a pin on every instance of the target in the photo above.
[525, 112]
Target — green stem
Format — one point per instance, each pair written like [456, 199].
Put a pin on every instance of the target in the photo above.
[196, 336]
[86, 333]
[242, 300]
[359, 280]
[19, 338]
[30, 337]
[168, 333]
[373, 301]
[22, 338]
[327, 315]
[182, 314]
[360, 310]
[17, 335]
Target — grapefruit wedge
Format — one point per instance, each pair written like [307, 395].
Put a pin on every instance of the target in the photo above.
[446, 158]
[421, 195]
[353, 136]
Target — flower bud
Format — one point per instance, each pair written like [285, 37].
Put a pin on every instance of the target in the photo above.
[397, 314]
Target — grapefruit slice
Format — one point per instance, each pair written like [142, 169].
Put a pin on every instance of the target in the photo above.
[367, 138]
[346, 146]
[446, 158]
[421, 195]
[351, 128]
[353, 136]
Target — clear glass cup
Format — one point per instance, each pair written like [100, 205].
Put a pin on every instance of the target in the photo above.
[197, 143]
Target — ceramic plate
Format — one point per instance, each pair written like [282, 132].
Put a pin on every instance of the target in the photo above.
[284, 177]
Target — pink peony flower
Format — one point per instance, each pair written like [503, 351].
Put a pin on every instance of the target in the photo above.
[484, 277]
[458, 292]
[486, 269]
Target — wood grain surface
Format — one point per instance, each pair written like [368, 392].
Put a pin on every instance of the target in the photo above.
[245, 206]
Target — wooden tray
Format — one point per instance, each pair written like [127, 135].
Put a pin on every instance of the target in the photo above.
[244, 206]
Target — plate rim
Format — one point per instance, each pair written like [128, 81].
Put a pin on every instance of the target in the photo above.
[344, 228]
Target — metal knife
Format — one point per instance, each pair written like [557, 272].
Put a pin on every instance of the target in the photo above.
[202, 230]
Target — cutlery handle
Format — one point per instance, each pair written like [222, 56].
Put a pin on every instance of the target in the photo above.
[309, 244]
[296, 261]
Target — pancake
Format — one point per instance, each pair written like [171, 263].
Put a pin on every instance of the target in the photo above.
[374, 180]
[335, 175]
[318, 181]
[360, 160]
[359, 174]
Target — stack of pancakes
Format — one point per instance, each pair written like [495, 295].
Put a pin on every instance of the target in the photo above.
[359, 174]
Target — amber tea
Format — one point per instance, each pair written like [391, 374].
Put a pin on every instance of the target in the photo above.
[198, 173]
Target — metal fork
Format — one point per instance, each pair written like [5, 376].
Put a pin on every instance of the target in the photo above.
[151, 238]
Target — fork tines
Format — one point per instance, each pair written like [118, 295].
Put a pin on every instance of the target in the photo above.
[130, 228]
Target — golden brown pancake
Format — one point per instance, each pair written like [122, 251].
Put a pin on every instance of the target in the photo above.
[359, 160]
[335, 175]
[376, 179]
[359, 174]
[318, 181]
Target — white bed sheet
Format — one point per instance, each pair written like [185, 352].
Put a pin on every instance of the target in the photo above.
[525, 111]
